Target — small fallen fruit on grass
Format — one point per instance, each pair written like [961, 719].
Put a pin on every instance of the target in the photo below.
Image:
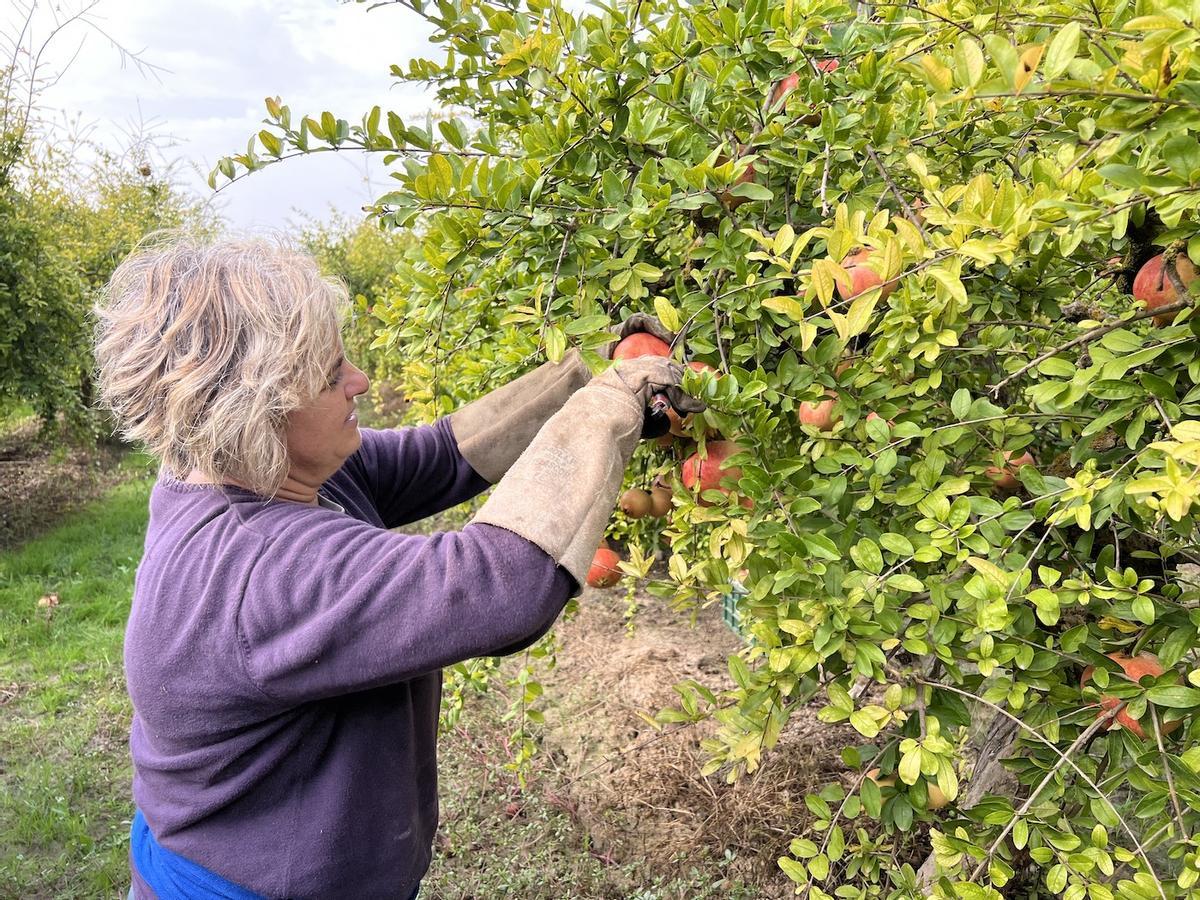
[1005, 479]
[636, 503]
[862, 276]
[1153, 288]
[605, 570]
[706, 474]
[1135, 668]
[640, 343]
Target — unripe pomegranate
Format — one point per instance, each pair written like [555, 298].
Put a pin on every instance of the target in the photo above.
[605, 570]
[635, 503]
[1005, 479]
[862, 276]
[660, 500]
[935, 798]
[1135, 669]
[706, 474]
[641, 343]
[1153, 288]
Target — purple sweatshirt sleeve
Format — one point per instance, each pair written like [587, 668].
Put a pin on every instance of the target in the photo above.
[334, 605]
[411, 473]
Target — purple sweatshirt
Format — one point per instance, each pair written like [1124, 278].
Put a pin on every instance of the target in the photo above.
[284, 663]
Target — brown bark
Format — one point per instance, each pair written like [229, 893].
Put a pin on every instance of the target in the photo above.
[989, 777]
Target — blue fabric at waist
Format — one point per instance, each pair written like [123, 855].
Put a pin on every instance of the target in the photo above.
[175, 877]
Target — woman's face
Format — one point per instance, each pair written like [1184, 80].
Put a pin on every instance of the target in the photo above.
[321, 435]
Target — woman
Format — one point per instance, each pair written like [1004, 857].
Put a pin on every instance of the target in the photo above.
[284, 647]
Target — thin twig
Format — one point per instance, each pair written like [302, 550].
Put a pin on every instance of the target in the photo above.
[908, 210]
[1101, 722]
[1138, 849]
[1086, 338]
[1166, 764]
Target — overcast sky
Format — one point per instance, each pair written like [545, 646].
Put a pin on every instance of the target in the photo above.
[219, 59]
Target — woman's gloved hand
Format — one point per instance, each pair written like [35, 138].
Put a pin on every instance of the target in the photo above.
[645, 376]
[638, 322]
[561, 490]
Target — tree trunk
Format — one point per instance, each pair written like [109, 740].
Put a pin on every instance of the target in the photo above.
[988, 777]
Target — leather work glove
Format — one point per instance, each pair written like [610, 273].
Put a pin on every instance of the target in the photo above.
[648, 377]
[634, 324]
[559, 493]
[495, 429]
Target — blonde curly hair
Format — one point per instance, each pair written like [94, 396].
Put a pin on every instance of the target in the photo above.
[203, 349]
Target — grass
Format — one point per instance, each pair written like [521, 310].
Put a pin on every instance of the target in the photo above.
[64, 767]
[64, 764]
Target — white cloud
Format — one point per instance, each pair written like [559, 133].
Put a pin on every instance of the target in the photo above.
[222, 57]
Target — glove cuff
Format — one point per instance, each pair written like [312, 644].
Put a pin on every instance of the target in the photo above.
[559, 494]
[495, 429]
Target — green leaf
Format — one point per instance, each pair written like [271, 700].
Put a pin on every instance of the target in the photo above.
[793, 870]
[667, 314]
[969, 63]
[1057, 367]
[1174, 696]
[556, 343]
[896, 543]
[1004, 56]
[866, 556]
[821, 547]
[960, 403]
[872, 800]
[1061, 51]
[910, 766]
[864, 723]
[905, 582]
[752, 191]
[789, 306]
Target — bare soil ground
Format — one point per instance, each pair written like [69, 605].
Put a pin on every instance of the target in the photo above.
[41, 481]
[638, 792]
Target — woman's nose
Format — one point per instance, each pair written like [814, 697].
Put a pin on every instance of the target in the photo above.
[358, 382]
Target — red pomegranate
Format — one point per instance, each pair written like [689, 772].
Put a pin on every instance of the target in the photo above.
[706, 474]
[640, 343]
[862, 276]
[820, 414]
[605, 570]
[1153, 288]
[1006, 479]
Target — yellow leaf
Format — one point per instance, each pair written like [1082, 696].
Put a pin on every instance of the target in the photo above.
[1188, 430]
[1153, 23]
[808, 335]
[824, 273]
[938, 74]
[860, 313]
[789, 306]
[1029, 63]
[840, 323]
[667, 314]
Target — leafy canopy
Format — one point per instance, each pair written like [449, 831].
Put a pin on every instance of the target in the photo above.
[1011, 167]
